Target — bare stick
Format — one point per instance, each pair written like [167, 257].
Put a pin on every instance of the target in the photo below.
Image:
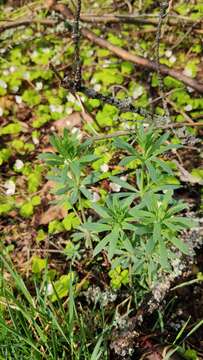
[14, 24]
[129, 132]
[125, 55]
[137, 19]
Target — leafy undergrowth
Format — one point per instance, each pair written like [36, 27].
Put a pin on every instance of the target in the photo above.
[101, 234]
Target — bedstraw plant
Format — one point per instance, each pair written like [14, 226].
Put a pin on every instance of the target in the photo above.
[139, 227]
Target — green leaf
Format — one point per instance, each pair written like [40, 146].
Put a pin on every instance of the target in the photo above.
[96, 227]
[180, 245]
[36, 200]
[151, 243]
[26, 210]
[152, 171]
[151, 201]
[73, 197]
[157, 232]
[188, 223]
[139, 214]
[89, 158]
[62, 286]
[86, 192]
[98, 350]
[166, 199]
[164, 166]
[128, 159]
[161, 140]
[14, 128]
[70, 221]
[100, 210]
[38, 264]
[101, 246]
[121, 144]
[166, 148]
[163, 255]
[176, 209]
[113, 238]
[51, 159]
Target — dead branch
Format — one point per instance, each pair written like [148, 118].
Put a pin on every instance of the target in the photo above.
[125, 55]
[24, 22]
[130, 132]
[136, 19]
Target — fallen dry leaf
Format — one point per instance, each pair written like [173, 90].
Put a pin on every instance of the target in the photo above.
[53, 213]
[69, 122]
[87, 117]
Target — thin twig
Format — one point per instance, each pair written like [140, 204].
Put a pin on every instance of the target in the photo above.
[77, 76]
[180, 111]
[125, 55]
[163, 12]
[136, 19]
[14, 24]
[131, 131]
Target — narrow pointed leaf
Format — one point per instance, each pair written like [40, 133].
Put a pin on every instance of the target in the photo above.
[97, 227]
[180, 245]
[163, 255]
[101, 245]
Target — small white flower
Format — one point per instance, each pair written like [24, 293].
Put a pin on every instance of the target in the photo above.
[35, 140]
[49, 289]
[188, 107]
[190, 90]
[19, 164]
[104, 168]
[90, 53]
[10, 187]
[34, 53]
[3, 84]
[70, 98]
[68, 123]
[68, 110]
[168, 53]
[15, 89]
[74, 130]
[115, 187]
[46, 50]
[77, 131]
[18, 99]
[1, 111]
[57, 62]
[172, 59]
[93, 81]
[124, 177]
[6, 72]
[97, 87]
[12, 69]
[39, 86]
[95, 197]
[56, 108]
[77, 103]
[26, 75]
[188, 72]
[137, 92]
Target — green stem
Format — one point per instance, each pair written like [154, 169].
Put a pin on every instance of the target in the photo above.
[82, 209]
